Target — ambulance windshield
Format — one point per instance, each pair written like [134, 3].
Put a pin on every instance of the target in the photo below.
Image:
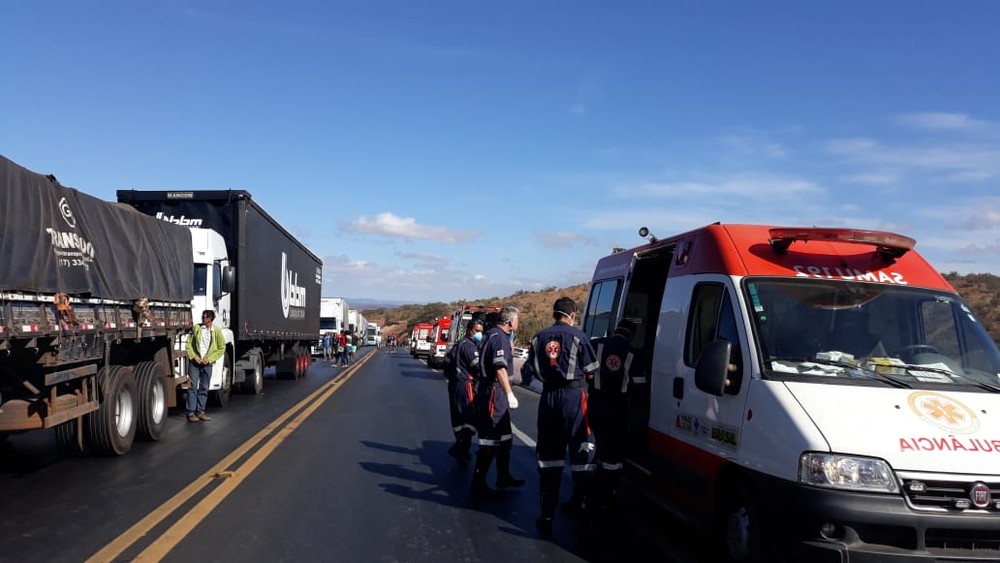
[897, 335]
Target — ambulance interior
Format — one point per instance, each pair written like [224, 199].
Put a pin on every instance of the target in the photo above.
[862, 333]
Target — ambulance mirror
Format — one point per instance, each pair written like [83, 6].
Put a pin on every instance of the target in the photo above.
[713, 367]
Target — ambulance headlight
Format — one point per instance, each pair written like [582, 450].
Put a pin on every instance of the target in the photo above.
[847, 472]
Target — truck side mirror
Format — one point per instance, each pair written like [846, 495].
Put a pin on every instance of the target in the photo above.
[712, 370]
[228, 279]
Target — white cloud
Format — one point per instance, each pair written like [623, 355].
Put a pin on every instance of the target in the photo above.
[424, 257]
[940, 121]
[391, 225]
[753, 186]
[754, 144]
[562, 239]
[971, 160]
[871, 179]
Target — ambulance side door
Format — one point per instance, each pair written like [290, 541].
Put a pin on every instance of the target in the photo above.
[712, 423]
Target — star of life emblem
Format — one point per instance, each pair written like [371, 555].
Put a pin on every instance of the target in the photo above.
[613, 362]
[552, 350]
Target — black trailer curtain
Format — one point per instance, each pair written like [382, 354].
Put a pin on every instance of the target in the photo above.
[54, 238]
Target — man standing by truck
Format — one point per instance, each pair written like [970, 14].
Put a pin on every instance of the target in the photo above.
[561, 357]
[205, 345]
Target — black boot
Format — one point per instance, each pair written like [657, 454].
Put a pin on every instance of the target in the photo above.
[577, 504]
[504, 478]
[483, 460]
[549, 487]
[465, 450]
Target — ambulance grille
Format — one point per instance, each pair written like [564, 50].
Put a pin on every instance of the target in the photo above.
[947, 495]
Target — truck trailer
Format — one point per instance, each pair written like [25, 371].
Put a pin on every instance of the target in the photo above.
[271, 314]
[95, 303]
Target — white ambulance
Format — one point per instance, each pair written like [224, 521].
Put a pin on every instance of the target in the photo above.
[807, 393]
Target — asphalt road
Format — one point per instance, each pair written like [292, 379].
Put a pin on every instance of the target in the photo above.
[358, 471]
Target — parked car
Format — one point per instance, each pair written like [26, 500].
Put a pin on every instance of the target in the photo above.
[521, 353]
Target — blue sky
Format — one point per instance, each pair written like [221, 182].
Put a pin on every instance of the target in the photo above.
[443, 150]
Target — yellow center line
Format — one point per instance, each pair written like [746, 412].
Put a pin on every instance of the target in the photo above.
[179, 530]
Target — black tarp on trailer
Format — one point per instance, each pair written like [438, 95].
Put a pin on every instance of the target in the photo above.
[278, 280]
[58, 239]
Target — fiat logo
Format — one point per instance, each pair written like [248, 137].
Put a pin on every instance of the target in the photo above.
[980, 495]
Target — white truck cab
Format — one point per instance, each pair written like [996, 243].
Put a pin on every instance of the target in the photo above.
[213, 283]
[825, 391]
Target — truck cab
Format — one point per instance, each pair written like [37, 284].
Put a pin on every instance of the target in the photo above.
[214, 279]
[825, 391]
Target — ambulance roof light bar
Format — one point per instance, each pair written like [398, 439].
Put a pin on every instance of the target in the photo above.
[888, 245]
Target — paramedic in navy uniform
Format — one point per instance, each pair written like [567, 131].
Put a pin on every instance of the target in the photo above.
[561, 357]
[493, 399]
[462, 369]
[607, 392]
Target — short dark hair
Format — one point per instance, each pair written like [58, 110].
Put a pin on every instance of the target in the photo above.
[208, 313]
[563, 307]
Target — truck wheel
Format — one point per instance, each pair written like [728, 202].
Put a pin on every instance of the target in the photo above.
[152, 393]
[111, 428]
[286, 369]
[220, 397]
[66, 438]
[254, 384]
[741, 529]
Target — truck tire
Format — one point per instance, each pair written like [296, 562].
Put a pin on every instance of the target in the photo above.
[152, 401]
[111, 429]
[286, 368]
[66, 438]
[220, 397]
[254, 384]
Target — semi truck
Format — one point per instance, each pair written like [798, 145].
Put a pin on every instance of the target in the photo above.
[95, 303]
[373, 334]
[807, 394]
[270, 310]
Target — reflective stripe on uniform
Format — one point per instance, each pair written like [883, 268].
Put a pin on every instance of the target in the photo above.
[628, 367]
[584, 467]
[638, 379]
[545, 464]
[488, 442]
[571, 368]
[506, 438]
[597, 374]
[611, 466]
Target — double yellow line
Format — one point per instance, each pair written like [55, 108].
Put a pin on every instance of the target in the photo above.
[231, 477]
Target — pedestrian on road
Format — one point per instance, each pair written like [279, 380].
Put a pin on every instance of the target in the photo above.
[608, 402]
[343, 348]
[562, 358]
[205, 345]
[327, 346]
[461, 368]
[494, 398]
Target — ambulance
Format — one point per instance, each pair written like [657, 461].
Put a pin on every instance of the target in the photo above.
[807, 394]
[439, 338]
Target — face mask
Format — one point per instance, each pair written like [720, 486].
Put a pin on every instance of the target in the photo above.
[477, 336]
[511, 335]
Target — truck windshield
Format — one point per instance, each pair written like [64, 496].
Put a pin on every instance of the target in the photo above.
[200, 280]
[898, 335]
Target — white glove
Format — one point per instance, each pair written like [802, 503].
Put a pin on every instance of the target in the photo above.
[511, 401]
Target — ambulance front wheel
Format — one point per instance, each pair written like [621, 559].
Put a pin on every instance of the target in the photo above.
[741, 529]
